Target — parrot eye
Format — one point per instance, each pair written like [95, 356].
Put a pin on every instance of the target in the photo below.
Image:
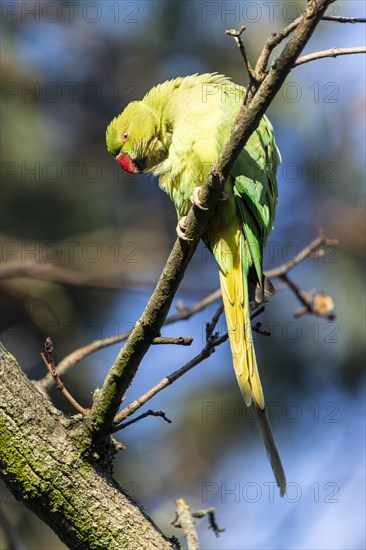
[125, 136]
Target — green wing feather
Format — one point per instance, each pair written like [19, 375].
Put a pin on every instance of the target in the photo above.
[255, 191]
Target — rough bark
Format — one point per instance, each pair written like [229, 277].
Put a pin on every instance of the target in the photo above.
[44, 461]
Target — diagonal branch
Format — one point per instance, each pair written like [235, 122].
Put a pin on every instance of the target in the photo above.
[80, 353]
[332, 52]
[271, 43]
[212, 341]
[50, 364]
[311, 248]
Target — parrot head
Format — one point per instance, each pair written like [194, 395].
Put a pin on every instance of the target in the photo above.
[133, 139]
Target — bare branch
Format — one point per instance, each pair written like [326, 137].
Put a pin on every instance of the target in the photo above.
[271, 43]
[187, 312]
[184, 520]
[341, 19]
[320, 304]
[165, 382]
[237, 37]
[210, 512]
[50, 364]
[150, 412]
[212, 341]
[80, 353]
[180, 341]
[310, 249]
[333, 52]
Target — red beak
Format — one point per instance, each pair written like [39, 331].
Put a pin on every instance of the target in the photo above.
[126, 162]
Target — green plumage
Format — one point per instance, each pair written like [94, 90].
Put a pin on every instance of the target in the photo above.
[177, 132]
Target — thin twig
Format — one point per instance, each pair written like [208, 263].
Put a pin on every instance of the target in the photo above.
[210, 512]
[314, 246]
[187, 312]
[80, 353]
[50, 364]
[320, 304]
[333, 52]
[179, 341]
[237, 37]
[150, 412]
[140, 401]
[185, 521]
[210, 327]
[257, 311]
[212, 341]
[272, 41]
[257, 328]
[341, 19]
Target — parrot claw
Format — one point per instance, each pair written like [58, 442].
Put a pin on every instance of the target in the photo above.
[195, 199]
[182, 228]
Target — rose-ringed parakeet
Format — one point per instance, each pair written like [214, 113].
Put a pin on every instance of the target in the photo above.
[177, 132]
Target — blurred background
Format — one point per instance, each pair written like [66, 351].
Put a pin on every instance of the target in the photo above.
[67, 70]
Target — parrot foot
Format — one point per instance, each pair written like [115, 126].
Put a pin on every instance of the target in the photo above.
[195, 199]
[182, 228]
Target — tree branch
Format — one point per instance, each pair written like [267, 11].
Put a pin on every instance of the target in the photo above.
[107, 400]
[80, 353]
[185, 520]
[210, 512]
[341, 19]
[166, 340]
[310, 249]
[50, 364]
[44, 461]
[212, 341]
[333, 52]
[320, 304]
[150, 412]
[271, 43]
[237, 37]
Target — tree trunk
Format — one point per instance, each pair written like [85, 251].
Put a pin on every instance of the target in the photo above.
[45, 461]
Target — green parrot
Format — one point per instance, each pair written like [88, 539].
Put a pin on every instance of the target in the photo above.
[177, 132]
